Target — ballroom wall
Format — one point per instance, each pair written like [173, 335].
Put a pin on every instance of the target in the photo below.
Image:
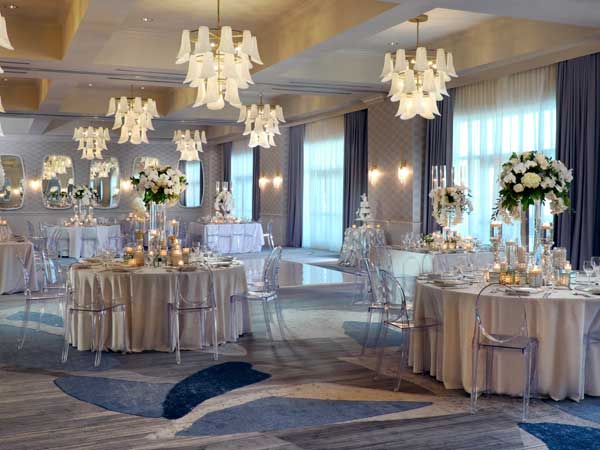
[33, 149]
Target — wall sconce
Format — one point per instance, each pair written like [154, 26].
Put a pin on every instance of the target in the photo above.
[403, 172]
[277, 181]
[35, 185]
[262, 182]
[125, 185]
[374, 175]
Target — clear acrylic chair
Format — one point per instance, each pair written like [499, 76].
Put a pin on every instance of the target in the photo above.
[511, 337]
[97, 307]
[57, 244]
[89, 242]
[268, 236]
[265, 292]
[188, 301]
[391, 292]
[53, 293]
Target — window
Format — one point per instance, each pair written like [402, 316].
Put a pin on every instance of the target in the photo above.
[241, 179]
[322, 217]
[493, 119]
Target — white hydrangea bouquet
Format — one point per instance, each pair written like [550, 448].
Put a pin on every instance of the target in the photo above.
[450, 201]
[528, 177]
[160, 184]
[85, 194]
[224, 203]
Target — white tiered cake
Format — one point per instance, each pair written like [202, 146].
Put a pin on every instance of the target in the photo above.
[363, 214]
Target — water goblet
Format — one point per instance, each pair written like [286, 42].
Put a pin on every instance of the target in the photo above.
[588, 268]
[596, 265]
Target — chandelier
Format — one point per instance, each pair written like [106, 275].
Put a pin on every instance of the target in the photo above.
[220, 63]
[92, 141]
[56, 165]
[265, 119]
[101, 169]
[133, 115]
[418, 78]
[189, 145]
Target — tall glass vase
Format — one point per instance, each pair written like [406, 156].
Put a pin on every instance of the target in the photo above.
[158, 219]
[531, 247]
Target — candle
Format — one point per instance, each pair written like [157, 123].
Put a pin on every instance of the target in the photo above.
[547, 230]
[186, 255]
[180, 263]
[568, 267]
[163, 253]
[496, 230]
[496, 267]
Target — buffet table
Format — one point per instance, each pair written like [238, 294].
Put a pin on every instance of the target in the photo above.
[11, 273]
[560, 322]
[72, 238]
[146, 292]
[416, 262]
[228, 237]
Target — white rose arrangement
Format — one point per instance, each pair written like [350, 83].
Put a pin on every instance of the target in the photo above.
[450, 200]
[224, 203]
[84, 193]
[528, 177]
[160, 184]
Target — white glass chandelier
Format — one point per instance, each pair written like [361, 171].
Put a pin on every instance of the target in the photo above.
[56, 165]
[189, 145]
[262, 123]
[133, 115]
[219, 64]
[92, 141]
[418, 78]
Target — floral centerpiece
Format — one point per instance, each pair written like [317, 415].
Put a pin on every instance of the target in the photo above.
[159, 184]
[224, 203]
[449, 204]
[85, 195]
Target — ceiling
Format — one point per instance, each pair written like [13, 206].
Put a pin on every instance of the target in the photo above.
[72, 55]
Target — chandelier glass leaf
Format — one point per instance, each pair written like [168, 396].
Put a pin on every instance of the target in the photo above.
[189, 144]
[219, 63]
[417, 78]
[92, 141]
[133, 115]
[261, 123]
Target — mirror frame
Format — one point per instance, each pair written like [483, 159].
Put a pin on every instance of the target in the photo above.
[96, 203]
[23, 187]
[44, 203]
[179, 203]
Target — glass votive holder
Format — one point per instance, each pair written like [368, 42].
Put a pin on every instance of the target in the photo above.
[535, 278]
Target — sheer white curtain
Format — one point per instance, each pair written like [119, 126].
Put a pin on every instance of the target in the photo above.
[492, 119]
[241, 179]
[322, 215]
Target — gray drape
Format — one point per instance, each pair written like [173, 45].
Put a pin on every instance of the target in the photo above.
[356, 162]
[226, 148]
[578, 146]
[255, 186]
[295, 186]
[438, 151]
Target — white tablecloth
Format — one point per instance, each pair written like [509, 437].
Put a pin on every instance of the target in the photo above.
[11, 274]
[72, 238]
[413, 263]
[355, 239]
[147, 296]
[559, 322]
[229, 237]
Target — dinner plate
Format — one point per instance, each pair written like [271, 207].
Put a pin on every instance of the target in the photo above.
[522, 290]
[449, 283]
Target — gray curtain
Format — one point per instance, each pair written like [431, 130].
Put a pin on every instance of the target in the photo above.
[226, 148]
[438, 151]
[578, 146]
[255, 186]
[295, 187]
[356, 162]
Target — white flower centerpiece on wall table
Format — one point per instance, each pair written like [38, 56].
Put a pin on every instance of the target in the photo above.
[224, 204]
[85, 198]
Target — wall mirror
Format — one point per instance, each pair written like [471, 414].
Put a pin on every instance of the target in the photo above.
[57, 182]
[12, 179]
[193, 196]
[105, 179]
[141, 162]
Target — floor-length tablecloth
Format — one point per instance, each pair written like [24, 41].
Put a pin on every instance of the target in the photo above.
[417, 262]
[11, 273]
[561, 323]
[229, 237]
[146, 294]
[72, 238]
[357, 242]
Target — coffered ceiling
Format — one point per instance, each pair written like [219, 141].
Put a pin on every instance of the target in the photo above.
[72, 55]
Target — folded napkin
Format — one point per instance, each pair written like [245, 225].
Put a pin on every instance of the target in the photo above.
[187, 268]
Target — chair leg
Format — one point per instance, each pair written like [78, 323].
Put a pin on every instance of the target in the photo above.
[203, 339]
[215, 335]
[489, 370]
[474, 378]
[100, 342]
[41, 316]
[367, 330]
[176, 333]
[280, 321]
[24, 324]
[403, 358]
[67, 335]
[527, 355]
[124, 331]
[381, 350]
[267, 315]
[233, 319]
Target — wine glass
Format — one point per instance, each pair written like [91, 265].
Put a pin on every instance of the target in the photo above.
[596, 265]
[588, 268]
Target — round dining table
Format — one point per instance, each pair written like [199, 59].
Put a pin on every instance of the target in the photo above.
[146, 293]
[567, 365]
[11, 273]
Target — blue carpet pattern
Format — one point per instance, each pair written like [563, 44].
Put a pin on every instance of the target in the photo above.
[47, 319]
[356, 330]
[167, 400]
[43, 351]
[559, 436]
[588, 408]
[280, 413]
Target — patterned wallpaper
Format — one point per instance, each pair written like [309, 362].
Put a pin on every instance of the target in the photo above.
[33, 149]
